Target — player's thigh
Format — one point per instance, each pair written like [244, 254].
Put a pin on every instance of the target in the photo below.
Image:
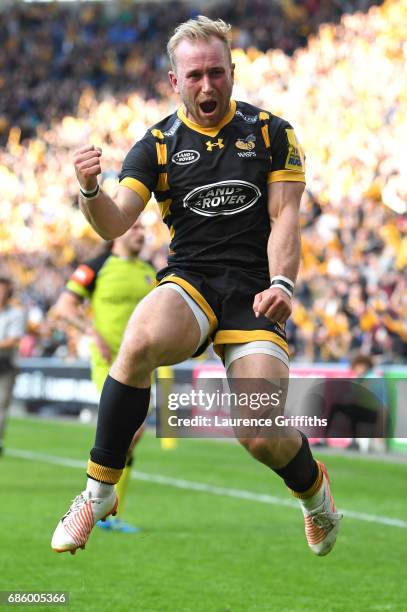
[163, 327]
[260, 376]
[258, 365]
[263, 379]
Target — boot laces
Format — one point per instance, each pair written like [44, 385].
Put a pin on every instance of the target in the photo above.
[326, 520]
[76, 505]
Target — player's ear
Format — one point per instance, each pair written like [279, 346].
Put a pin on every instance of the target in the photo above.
[173, 80]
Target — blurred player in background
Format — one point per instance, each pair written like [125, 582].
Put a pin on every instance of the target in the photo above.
[223, 173]
[364, 406]
[12, 329]
[114, 283]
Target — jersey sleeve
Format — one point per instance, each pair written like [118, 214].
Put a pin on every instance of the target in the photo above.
[83, 280]
[287, 156]
[139, 171]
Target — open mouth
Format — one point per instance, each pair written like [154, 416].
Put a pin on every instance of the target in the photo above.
[208, 107]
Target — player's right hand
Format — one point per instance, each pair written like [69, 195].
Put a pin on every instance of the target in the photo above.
[274, 304]
[87, 166]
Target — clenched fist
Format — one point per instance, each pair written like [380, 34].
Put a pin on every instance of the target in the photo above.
[87, 166]
[274, 304]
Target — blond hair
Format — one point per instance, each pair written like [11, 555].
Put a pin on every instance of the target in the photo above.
[201, 28]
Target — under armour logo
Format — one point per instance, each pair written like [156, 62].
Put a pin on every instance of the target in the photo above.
[218, 143]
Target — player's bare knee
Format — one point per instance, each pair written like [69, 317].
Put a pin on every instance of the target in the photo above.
[255, 446]
[136, 358]
[265, 450]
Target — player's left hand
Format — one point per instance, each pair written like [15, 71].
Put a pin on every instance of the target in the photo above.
[274, 304]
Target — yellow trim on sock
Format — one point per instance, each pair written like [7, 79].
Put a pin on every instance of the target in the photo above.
[103, 474]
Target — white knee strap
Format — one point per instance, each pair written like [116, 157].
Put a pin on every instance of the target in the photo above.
[235, 351]
[199, 314]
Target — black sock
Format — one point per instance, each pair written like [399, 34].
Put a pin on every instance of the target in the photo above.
[122, 410]
[302, 471]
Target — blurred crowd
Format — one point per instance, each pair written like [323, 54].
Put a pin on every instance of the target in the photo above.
[50, 53]
[344, 95]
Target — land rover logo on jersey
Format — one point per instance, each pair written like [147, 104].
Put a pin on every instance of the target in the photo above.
[223, 198]
[188, 156]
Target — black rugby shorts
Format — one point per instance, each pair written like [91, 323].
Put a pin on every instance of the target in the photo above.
[226, 296]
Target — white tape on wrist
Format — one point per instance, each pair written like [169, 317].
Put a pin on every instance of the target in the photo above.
[283, 288]
[284, 283]
[89, 195]
[285, 279]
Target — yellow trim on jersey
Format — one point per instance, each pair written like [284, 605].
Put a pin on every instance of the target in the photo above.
[161, 153]
[196, 296]
[138, 187]
[157, 134]
[208, 131]
[265, 128]
[162, 183]
[285, 175]
[237, 336]
[165, 207]
[172, 232]
[266, 135]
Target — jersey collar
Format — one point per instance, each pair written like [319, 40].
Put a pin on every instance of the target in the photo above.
[208, 131]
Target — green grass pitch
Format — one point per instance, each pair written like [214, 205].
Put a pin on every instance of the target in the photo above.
[198, 550]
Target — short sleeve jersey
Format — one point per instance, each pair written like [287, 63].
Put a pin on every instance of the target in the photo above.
[211, 183]
[114, 287]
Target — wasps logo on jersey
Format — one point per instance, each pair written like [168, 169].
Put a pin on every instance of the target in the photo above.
[211, 183]
[247, 144]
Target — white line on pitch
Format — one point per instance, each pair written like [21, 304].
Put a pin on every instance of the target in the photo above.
[203, 487]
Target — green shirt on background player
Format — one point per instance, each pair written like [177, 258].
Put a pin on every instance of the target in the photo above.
[114, 283]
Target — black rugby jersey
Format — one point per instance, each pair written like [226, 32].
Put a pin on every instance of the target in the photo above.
[211, 183]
